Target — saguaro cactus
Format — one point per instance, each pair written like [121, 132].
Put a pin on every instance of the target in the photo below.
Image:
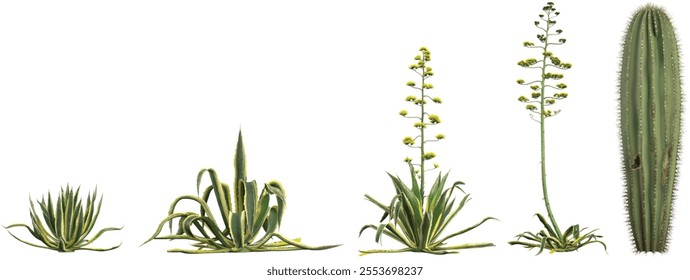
[650, 122]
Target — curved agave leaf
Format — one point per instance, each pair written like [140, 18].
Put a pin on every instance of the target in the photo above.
[275, 188]
[220, 193]
[202, 204]
[299, 245]
[464, 231]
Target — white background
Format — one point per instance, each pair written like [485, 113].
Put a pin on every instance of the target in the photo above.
[137, 96]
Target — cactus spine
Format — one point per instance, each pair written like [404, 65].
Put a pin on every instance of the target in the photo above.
[650, 123]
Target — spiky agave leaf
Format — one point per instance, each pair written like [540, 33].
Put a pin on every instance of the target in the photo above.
[68, 222]
[650, 125]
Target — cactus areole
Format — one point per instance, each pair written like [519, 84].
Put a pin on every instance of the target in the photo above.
[650, 124]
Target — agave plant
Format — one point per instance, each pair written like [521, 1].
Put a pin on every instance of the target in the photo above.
[247, 220]
[68, 223]
[551, 238]
[415, 219]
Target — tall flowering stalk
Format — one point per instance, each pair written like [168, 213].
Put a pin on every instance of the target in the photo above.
[416, 219]
[540, 102]
[424, 118]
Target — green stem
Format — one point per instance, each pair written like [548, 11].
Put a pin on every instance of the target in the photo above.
[421, 129]
[542, 117]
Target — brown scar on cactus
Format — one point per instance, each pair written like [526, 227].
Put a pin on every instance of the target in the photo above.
[636, 162]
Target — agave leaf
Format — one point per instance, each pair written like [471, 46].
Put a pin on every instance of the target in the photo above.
[412, 215]
[262, 215]
[198, 222]
[275, 188]
[392, 232]
[240, 162]
[379, 231]
[47, 211]
[205, 196]
[240, 174]
[365, 227]
[440, 216]
[386, 209]
[452, 215]
[366, 252]
[524, 244]
[102, 249]
[419, 193]
[302, 246]
[409, 230]
[100, 232]
[250, 199]
[80, 233]
[202, 204]
[426, 229]
[25, 242]
[218, 235]
[89, 220]
[219, 192]
[270, 227]
[572, 230]
[463, 231]
[198, 251]
[39, 230]
[542, 244]
[70, 216]
[411, 203]
[377, 203]
[167, 219]
[435, 192]
[546, 224]
[238, 228]
[466, 246]
[96, 213]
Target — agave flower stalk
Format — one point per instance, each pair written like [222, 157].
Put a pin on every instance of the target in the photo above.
[540, 103]
[416, 219]
[650, 123]
[247, 220]
[66, 224]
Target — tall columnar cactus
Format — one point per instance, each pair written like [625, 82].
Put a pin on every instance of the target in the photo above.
[650, 122]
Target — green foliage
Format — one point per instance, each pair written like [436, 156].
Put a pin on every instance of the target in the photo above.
[540, 101]
[246, 227]
[415, 219]
[650, 125]
[68, 223]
